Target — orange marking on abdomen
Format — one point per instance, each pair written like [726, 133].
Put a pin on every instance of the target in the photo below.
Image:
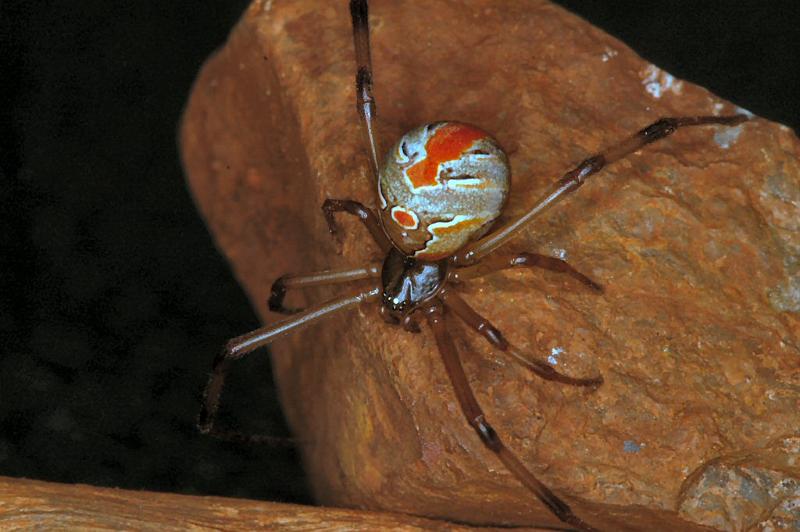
[447, 143]
[404, 219]
[463, 225]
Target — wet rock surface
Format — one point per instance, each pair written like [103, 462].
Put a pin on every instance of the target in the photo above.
[696, 240]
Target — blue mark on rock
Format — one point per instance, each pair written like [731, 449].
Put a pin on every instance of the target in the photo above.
[553, 358]
[631, 446]
[726, 137]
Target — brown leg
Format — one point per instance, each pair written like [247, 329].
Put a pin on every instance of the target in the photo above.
[503, 261]
[483, 327]
[367, 217]
[477, 420]
[286, 282]
[573, 179]
[240, 346]
[365, 103]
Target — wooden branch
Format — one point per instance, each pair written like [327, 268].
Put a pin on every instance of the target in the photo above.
[33, 504]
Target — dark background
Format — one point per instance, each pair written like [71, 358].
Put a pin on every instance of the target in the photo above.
[114, 299]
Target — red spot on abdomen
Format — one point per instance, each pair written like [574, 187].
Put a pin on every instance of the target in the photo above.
[447, 143]
[404, 219]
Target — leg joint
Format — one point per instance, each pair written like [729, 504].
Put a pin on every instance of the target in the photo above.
[658, 130]
[521, 259]
[586, 168]
[492, 334]
[590, 166]
[277, 295]
[487, 433]
[363, 80]
[364, 91]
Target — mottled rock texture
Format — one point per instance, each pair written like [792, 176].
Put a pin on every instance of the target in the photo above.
[696, 240]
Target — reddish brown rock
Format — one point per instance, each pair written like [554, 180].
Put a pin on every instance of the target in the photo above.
[696, 239]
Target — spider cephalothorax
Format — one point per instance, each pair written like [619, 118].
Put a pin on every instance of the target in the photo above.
[409, 282]
[439, 190]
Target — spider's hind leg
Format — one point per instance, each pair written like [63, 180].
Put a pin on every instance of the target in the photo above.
[502, 261]
[477, 420]
[493, 335]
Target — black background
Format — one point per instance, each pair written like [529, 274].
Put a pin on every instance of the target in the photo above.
[114, 299]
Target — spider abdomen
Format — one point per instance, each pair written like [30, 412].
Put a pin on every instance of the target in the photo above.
[442, 185]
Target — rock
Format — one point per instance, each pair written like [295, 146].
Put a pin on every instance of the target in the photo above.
[696, 240]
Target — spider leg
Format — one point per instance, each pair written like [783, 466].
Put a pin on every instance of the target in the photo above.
[493, 335]
[573, 179]
[477, 420]
[366, 215]
[285, 282]
[242, 345]
[365, 103]
[503, 261]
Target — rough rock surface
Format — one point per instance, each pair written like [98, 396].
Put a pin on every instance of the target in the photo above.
[696, 240]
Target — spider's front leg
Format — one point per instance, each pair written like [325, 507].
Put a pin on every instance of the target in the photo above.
[477, 420]
[284, 282]
[365, 214]
[330, 207]
[503, 261]
[365, 102]
[242, 345]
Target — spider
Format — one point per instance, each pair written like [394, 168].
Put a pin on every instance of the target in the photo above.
[440, 189]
